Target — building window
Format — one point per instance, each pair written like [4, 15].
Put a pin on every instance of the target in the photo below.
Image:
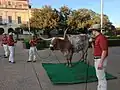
[19, 20]
[25, 5]
[0, 19]
[9, 3]
[9, 19]
[0, 3]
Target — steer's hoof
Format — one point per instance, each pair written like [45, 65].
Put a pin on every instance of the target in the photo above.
[66, 64]
[70, 65]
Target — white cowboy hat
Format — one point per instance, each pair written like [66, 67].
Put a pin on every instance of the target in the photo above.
[10, 33]
[13, 33]
[4, 33]
[95, 27]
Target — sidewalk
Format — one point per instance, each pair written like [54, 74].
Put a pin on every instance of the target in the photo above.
[32, 76]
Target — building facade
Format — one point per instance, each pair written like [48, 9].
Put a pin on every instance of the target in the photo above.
[13, 13]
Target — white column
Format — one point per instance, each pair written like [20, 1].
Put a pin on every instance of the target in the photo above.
[101, 15]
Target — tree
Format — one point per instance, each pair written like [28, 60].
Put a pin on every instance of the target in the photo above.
[44, 18]
[118, 28]
[47, 18]
[80, 18]
[63, 14]
[35, 19]
[24, 27]
[85, 18]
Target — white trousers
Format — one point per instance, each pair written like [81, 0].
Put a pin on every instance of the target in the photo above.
[12, 51]
[5, 46]
[102, 82]
[32, 53]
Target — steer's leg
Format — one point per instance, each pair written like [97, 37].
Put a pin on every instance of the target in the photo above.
[70, 58]
[67, 63]
[65, 53]
[68, 55]
[82, 56]
[85, 58]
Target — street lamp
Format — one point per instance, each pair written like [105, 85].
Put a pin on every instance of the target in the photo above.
[101, 15]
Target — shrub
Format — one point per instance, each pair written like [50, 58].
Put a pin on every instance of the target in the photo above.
[114, 37]
[41, 45]
[26, 44]
[114, 42]
[109, 33]
[45, 44]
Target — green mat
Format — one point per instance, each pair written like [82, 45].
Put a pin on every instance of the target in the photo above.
[60, 74]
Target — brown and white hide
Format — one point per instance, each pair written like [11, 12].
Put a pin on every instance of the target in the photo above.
[69, 45]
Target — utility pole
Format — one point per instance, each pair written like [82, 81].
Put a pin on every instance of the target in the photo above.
[101, 15]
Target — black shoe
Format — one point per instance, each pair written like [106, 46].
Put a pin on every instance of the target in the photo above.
[34, 61]
[9, 61]
[13, 62]
[29, 61]
[5, 57]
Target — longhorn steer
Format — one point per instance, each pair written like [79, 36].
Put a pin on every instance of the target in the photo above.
[69, 44]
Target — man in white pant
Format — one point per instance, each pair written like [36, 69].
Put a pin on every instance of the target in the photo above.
[4, 44]
[33, 49]
[11, 47]
[100, 46]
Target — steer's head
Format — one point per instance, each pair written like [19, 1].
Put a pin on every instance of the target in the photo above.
[55, 41]
[54, 45]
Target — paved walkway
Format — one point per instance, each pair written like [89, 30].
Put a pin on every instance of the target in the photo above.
[32, 76]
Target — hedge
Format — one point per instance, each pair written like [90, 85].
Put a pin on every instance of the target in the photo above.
[45, 44]
[113, 42]
[41, 45]
[114, 37]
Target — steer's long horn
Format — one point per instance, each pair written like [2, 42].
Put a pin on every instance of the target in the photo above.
[45, 38]
[65, 33]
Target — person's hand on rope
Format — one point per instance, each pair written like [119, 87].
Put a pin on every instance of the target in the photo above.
[100, 66]
[15, 41]
[38, 40]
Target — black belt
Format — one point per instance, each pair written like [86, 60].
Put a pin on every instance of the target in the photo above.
[97, 57]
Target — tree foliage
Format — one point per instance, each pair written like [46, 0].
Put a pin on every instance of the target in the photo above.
[44, 18]
[49, 18]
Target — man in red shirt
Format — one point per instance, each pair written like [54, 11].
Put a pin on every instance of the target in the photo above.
[4, 44]
[100, 47]
[11, 46]
[33, 49]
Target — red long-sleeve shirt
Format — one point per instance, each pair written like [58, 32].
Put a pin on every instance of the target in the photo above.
[33, 42]
[4, 40]
[10, 41]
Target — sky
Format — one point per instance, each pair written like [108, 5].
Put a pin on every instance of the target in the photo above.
[111, 7]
